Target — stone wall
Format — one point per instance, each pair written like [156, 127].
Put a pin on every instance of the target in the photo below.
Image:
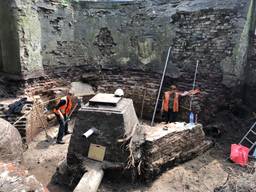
[124, 44]
[56, 23]
[20, 36]
[250, 88]
[250, 83]
[207, 36]
[9, 42]
[29, 31]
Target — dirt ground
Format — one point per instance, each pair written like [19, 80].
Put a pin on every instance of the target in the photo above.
[206, 173]
[42, 157]
[210, 172]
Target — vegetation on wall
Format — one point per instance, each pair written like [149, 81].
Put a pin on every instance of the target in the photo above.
[67, 2]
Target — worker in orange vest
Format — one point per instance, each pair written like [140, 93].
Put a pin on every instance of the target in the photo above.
[170, 105]
[62, 108]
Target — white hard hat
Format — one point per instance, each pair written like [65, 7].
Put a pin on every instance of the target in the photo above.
[119, 93]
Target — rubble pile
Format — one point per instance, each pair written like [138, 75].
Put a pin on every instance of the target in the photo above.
[13, 178]
[25, 115]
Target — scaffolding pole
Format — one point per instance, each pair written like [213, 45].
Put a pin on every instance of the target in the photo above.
[161, 84]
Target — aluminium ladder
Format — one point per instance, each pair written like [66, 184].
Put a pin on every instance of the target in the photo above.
[246, 137]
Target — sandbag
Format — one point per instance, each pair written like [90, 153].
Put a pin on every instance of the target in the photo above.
[239, 154]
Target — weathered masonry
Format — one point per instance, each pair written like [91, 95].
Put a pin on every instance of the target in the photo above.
[131, 149]
[112, 44]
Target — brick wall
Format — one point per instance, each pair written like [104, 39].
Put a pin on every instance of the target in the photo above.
[125, 45]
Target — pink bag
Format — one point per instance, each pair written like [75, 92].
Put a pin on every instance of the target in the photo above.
[239, 154]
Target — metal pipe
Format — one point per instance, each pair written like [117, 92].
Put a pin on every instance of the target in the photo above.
[194, 85]
[91, 131]
[161, 84]
[88, 133]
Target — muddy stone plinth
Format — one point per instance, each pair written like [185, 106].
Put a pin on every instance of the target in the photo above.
[171, 144]
[113, 120]
[154, 149]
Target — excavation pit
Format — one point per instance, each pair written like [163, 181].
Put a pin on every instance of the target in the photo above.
[129, 145]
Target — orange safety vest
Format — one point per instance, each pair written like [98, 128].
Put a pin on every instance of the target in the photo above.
[65, 109]
[165, 105]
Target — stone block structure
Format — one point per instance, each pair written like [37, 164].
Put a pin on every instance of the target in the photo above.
[167, 145]
[153, 149]
[113, 123]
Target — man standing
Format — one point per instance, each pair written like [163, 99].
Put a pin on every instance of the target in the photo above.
[62, 108]
[170, 105]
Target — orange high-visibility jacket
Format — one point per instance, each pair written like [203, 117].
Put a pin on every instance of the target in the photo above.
[65, 109]
[165, 105]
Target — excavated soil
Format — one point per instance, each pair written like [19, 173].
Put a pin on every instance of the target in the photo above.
[210, 172]
[43, 156]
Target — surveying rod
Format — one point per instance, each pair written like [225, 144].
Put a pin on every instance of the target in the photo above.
[161, 84]
[194, 85]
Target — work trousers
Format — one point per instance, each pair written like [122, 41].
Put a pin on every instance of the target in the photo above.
[170, 116]
[63, 128]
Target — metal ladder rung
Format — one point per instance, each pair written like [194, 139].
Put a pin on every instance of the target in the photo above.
[249, 140]
[253, 132]
[246, 138]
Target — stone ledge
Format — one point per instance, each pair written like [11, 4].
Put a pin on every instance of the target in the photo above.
[105, 4]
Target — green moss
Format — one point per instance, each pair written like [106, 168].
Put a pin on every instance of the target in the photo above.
[115, 6]
[67, 2]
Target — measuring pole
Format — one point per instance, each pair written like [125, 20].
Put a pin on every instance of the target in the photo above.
[161, 84]
[194, 85]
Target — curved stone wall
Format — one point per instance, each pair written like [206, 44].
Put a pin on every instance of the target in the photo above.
[124, 44]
